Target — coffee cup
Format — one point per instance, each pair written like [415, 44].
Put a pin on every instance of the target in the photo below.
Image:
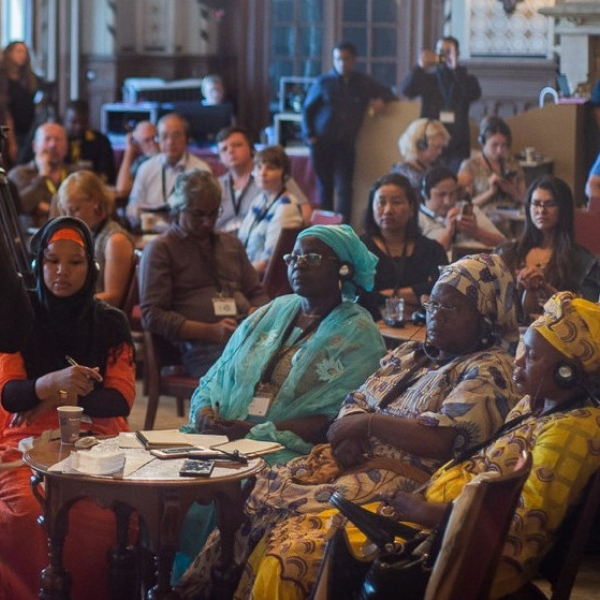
[530, 154]
[69, 420]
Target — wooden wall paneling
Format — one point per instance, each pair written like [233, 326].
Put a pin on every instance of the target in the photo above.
[556, 130]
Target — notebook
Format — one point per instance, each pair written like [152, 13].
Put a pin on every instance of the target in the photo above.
[172, 438]
[248, 447]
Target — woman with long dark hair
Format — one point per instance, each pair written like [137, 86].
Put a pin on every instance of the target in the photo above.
[408, 261]
[546, 258]
[19, 86]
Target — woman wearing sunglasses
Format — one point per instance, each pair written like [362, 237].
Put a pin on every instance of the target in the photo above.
[546, 258]
[286, 369]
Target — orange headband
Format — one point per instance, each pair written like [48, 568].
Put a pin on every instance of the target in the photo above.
[67, 234]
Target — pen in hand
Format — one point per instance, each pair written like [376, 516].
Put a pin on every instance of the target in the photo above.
[217, 409]
[74, 363]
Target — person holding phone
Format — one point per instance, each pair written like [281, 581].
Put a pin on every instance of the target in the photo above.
[494, 177]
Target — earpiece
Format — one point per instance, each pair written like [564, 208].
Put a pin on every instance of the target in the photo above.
[487, 336]
[346, 271]
[422, 143]
[567, 375]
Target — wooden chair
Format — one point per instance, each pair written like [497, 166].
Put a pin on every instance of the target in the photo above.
[475, 536]
[559, 567]
[275, 280]
[472, 542]
[166, 376]
[587, 226]
[325, 217]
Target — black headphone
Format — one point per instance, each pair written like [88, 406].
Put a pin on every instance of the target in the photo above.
[346, 271]
[567, 375]
[422, 142]
[490, 125]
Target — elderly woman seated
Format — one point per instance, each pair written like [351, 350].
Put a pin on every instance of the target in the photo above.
[84, 195]
[286, 369]
[426, 403]
[420, 145]
[558, 421]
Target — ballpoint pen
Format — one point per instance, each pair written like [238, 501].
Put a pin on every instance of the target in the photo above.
[71, 361]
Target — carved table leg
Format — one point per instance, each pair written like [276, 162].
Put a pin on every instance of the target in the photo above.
[55, 580]
[123, 576]
[169, 538]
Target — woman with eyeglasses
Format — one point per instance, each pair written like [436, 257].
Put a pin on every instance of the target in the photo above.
[408, 261]
[284, 373]
[425, 403]
[546, 258]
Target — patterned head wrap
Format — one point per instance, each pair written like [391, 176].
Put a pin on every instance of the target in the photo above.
[348, 248]
[572, 326]
[488, 283]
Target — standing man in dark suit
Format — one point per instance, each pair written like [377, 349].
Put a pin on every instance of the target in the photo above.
[446, 90]
[333, 112]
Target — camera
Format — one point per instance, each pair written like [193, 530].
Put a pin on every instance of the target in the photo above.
[441, 58]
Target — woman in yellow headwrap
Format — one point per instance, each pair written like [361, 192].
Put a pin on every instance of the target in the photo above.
[557, 421]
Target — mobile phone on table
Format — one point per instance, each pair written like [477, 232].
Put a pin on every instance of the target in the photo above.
[196, 468]
[179, 452]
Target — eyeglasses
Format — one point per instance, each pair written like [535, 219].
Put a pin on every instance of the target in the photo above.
[312, 259]
[433, 306]
[544, 203]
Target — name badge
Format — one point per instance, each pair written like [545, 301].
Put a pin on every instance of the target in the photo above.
[224, 307]
[260, 404]
[447, 116]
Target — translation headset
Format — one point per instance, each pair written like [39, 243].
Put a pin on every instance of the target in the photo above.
[422, 142]
[38, 239]
[346, 271]
[567, 375]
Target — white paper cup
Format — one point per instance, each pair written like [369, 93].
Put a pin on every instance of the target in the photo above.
[69, 419]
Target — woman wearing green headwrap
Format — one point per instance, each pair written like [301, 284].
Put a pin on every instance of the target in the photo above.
[302, 353]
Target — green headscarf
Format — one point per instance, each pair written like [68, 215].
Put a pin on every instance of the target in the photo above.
[349, 249]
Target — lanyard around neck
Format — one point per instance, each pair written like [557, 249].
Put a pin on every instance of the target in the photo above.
[258, 218]
[237, 203]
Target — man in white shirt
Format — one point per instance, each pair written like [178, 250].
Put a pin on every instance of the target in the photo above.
[155, 180]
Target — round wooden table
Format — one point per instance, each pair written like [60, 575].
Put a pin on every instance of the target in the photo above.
[158, 495]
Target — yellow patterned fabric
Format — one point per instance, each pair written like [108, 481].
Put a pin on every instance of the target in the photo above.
[572, 326]
[489, 284]
[565, 448]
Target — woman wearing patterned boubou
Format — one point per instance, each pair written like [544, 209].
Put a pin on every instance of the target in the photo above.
[421, 145]
[84, 195]
[408, 261]
[556, 421]
[426, 403]
[68, 323]
[546, 257]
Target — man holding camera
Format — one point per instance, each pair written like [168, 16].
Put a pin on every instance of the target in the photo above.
[446, 90]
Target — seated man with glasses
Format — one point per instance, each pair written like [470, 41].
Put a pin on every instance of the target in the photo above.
[195, 283]
[155, 179]
[450, 223]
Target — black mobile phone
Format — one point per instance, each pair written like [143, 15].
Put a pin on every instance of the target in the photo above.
[196, 468]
